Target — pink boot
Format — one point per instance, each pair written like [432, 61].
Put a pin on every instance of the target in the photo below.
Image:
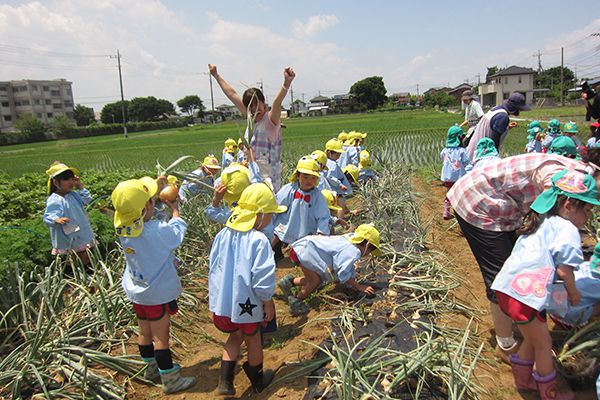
[548, 389]
[446, 214]
[522, 371]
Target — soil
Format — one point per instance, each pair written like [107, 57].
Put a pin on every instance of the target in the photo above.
[296, 338]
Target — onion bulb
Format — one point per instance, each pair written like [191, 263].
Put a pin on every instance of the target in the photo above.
[169, 193]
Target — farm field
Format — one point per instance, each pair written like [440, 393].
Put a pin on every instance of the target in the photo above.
[425, 334]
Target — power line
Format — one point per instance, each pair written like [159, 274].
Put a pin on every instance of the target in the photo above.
[7, 48]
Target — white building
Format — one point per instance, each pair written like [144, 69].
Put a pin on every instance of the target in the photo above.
[500, 85]
[43, 99]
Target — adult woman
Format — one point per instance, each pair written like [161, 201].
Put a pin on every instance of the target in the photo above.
[490, 203]
[473, 113]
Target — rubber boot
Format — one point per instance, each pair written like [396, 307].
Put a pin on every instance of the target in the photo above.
[226, 379]
[447, 214]
[260, 379]
[548, 390]
[523, 373]
[286, 284]
[173, 382]
[151, 372]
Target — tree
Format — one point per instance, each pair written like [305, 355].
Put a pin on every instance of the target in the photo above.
[61, 125]
[369, 92]
[150, 109]
[83, 115]
[439, 98]
[550, 79]
[111, 113]
[30, 126]
[190, 104]
[491, 71]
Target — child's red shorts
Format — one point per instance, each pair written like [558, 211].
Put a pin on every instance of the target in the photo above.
[156, 312]
[294, 256]
[520, 313]
[224, 324]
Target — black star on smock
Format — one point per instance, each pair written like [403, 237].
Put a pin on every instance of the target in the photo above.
[247, 307]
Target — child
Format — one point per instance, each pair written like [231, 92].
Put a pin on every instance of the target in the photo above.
[351, 172]
[241, 284]
[350, 155]
[594, 139]
[570, 130]
[320, 157]
[307, 212]
[150, 278]
[485, 153]
[331, 199]
[315, 254]
[587, 281]
[342, 136]
[535, 135]
[70, 228]
[229, 152]
[455, 162]
[564, 146]
[552, 132]
[550, 245]
[365, 172]
[335, 176]
[266, 134]
[206, 173]
[228, 189]
[241, 154]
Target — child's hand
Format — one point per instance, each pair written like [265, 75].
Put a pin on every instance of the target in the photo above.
[343, 223]
[213, 70]
[288, 76]
[574, 297]
[173, 205]
[366, 289]
[62, 220]
[220, 191]
[161, 182]
[343, 187]
[77, 182]
[269, 309]
[512, 124]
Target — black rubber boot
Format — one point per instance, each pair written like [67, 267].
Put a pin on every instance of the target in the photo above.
[226, 380]
[260, 379]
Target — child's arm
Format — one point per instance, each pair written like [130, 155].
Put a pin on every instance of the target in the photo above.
[85, 195]
[263, 275]
[54, 213]
[227, 89]
[288, 77]
[565, 273]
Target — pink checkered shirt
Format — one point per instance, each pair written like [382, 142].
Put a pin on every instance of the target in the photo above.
[497, 196]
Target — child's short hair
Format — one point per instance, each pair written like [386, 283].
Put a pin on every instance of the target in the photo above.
[250, 94]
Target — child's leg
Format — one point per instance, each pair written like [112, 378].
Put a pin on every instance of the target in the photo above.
[254, 367]
[342, 203]
[146, 348]
[84, 257]
[308, 283]
[231, 350]
[160, 334]
[254, 347]
[537, 345]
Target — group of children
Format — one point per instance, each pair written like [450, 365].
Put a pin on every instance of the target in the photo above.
[258, 224]
[546, 272]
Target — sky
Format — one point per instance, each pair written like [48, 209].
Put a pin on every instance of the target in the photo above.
[166, 45]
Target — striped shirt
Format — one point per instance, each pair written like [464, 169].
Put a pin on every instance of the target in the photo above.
[266, 143]
[497, 196]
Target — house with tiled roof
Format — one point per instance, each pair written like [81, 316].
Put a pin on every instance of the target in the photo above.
[500, 85]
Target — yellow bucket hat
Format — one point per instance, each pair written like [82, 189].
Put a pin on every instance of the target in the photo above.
[331, 199]
[365, 232]
[306, 165]
[342, 136]
[129, 199]
[256, 198]
[230, 143]
[236, 178]
[210, 161]
[352, 170]
[365, 159]
[321, 158]
[56, 169]
[334, 145]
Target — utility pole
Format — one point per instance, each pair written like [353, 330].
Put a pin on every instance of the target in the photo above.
[539, 57]
[417, 90]
[562, 79]
[478, 79]
[292, 95]
[118, 57]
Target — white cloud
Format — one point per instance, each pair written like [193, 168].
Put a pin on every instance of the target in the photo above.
[314, 24]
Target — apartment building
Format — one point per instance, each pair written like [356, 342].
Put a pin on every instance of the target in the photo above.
[44, 99]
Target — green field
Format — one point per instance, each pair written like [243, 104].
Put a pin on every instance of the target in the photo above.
[414, 137]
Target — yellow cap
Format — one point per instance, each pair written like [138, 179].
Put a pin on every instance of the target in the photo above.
[365, 159]
[230, 143]
[334, 145]
[173, 180]
[210, 161]
[236, 178]
[352, 170]
[342, 136]
[365, 232]
[56, 169]
[306, 165]
[256, 198]
[320, 157]
[331, 199]
[129, 199]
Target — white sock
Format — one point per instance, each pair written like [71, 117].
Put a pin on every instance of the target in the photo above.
[505, 343]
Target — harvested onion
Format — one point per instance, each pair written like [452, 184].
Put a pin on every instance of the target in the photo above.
[169, 193]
